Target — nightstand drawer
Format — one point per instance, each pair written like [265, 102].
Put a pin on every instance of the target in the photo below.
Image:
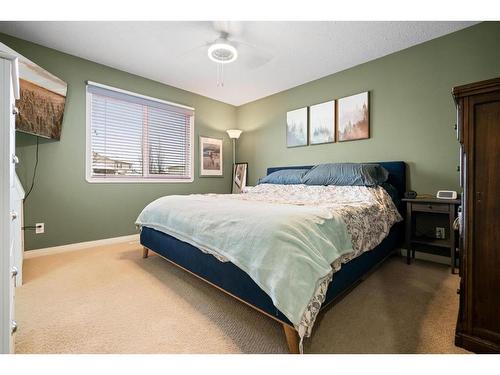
[430, 207]
[423, 216]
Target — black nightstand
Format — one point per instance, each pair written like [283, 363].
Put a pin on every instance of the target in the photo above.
[429, 213]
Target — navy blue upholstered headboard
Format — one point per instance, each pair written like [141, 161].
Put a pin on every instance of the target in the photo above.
[396, 169]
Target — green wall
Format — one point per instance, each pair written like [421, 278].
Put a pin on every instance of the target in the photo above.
[412, 116]
[74, 210]
[412, 111]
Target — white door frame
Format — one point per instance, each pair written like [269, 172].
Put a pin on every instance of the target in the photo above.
[9, 81]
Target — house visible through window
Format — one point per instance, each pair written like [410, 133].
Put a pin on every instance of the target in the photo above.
[133, 138]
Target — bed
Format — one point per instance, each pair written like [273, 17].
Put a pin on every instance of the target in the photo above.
[231, 279]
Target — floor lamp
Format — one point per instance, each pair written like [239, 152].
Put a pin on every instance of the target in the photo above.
[234, 134]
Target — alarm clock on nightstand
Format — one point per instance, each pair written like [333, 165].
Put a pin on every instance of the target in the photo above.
[446, 194]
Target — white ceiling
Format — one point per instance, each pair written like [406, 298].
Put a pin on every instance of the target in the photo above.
[284, 53]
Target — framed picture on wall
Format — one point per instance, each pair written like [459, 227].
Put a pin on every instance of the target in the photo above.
[353, 120]
[210, 157]
[240, 177]
[322, 123]
[42, 99]
[296, 128]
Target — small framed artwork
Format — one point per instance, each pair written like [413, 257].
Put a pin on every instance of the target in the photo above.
[353, 120]
[322, 123]
[210, 157]
[296, 128]
[240, 177]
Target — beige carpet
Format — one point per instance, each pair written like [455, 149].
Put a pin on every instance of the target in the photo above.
[109, 300]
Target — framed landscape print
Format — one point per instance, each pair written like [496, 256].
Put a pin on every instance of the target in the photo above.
[322, 123]
[240, 177]
[42, 99]
[296, 128]
[210, 157]
[353, 118]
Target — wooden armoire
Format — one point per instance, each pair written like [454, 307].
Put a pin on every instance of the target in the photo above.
[478, 130]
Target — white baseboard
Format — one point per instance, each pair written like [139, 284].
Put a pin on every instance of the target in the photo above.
[429, 257]
[79, 246]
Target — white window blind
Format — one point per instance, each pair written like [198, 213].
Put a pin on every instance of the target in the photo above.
[136, 138]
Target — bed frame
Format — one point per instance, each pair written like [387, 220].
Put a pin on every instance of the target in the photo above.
[228, 278]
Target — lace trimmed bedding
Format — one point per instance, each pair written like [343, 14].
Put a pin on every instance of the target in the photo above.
[368, 213]
[269, 230]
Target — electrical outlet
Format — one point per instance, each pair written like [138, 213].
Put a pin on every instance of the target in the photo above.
[39, 228]
[440, 233]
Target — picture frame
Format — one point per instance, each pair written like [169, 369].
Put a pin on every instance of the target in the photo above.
[240, 177]
[322, 123]
[297, 122]
[42, 99]
[353, 117]
[211, 157]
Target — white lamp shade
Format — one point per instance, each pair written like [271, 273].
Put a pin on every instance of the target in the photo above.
[234, 133]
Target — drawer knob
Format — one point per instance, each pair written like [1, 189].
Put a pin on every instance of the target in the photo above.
[13, 326]
[14, 272]
[13, 215]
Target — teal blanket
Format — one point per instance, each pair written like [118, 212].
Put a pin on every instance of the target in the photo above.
[287, 249]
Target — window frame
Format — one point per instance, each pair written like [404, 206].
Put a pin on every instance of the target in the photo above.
[146, 178]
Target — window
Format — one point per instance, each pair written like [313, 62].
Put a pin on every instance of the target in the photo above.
[134, 138]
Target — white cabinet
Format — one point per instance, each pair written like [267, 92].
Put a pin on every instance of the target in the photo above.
[17, 225]
[9, 218]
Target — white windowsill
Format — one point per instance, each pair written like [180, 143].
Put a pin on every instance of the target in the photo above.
[93, 180]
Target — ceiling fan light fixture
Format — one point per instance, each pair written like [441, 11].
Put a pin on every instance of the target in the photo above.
[222, 53]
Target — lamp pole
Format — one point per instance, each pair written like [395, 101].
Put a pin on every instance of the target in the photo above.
[234, 134]
[234, 151]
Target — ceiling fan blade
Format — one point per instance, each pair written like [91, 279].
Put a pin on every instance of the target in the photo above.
[195, 52]
[202, 31]
[228, 28]
[252, 57]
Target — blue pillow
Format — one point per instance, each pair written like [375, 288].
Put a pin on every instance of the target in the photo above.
[284, 177]
[393, 193]
[346, 174]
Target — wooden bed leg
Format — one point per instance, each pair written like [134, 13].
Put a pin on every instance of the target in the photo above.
[292, 339]
[145, 252]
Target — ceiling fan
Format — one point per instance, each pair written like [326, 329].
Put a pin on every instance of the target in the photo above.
[230, 47]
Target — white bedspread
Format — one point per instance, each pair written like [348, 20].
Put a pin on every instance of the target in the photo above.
[289, 239]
